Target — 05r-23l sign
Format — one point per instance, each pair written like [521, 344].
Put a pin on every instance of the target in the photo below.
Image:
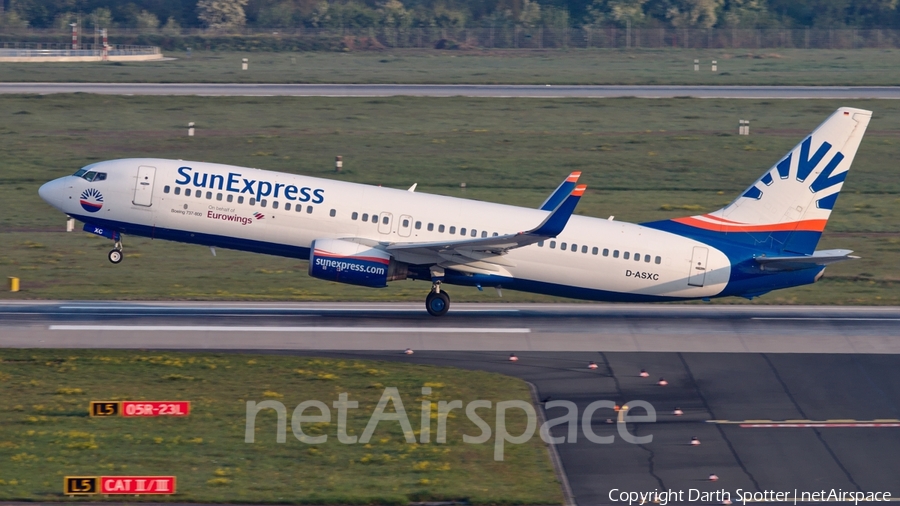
[140, 408]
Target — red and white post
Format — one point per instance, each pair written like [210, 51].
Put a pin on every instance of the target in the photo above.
[74, 35]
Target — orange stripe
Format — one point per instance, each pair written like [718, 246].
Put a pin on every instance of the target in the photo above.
[579, 190]
[723, 220]
[573, 177]
[803, 226]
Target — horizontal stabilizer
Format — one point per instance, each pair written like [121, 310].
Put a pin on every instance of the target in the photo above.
[818, 258]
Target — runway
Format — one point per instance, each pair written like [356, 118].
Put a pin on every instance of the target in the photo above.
[792, 399]
[463, 90]
[468, 327]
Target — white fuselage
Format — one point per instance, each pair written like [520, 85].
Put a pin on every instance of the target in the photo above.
[337, 208]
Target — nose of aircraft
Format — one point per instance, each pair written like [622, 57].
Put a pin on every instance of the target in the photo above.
[50, 192]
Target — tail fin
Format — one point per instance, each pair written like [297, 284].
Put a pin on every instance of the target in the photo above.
[787, 208]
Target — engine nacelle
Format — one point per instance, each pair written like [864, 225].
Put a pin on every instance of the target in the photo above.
[353, 263]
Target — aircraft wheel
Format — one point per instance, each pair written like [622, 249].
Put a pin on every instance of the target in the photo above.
[115, 256]
[437, 304]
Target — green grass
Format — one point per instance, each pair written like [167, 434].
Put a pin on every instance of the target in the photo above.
[45, 433]
[597, 66]
[642, 160]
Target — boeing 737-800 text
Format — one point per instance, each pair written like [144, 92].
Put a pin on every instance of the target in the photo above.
[365, 235]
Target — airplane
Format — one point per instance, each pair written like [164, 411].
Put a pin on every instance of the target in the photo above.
[368, 236]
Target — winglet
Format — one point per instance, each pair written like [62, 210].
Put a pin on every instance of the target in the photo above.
[561, 192]
[556, 222]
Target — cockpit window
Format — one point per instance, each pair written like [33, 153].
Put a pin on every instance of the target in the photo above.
[79, 172]
[94, 176]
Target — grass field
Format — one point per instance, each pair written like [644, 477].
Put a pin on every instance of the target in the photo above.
[642, 160]
[45, 433]
[636, 66]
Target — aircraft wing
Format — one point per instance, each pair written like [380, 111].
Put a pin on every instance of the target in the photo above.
[482, 248]
[794, 263]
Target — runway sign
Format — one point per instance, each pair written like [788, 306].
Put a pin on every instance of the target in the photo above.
[104, 408]
[81, 485]
[155, 408]
[135, 485]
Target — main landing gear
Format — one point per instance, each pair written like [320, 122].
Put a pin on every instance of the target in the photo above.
[115, 254]
[438, 302]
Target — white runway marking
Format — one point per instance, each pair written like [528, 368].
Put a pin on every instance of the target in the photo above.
[825, 318]
[211, 328]
[292, 309]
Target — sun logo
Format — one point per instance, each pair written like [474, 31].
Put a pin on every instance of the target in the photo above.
[91, 200]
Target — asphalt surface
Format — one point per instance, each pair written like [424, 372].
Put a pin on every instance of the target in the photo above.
[466, 90]
[806, 399]
[468, 327]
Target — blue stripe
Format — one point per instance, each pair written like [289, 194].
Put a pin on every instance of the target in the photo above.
[222, 241]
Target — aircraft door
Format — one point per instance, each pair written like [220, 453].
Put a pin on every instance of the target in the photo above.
[384, 223]
[698, 266]
[405, 227]
[143, 187]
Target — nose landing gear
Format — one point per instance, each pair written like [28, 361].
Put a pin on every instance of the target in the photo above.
[115, 254]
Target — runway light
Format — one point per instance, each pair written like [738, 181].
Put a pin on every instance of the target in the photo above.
[662, 382]
[713, 477]
[408, 351]
[678, 412]
[695, 441]
[644, 373]
[513, 357]
[592, 366]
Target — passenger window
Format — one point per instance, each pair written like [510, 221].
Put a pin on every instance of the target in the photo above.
[177, 190]
[637, 257]
[218, 196]
[605, 252]
[298, 208]
[166, 189]
[230, 198]
[563, 246]
[484, 233]
[240, 199]
[441, 229]
[595, 250]
[405, 223]
[625, 255]
[252, 201]
[658, 260]
[365, 217]
[418, 225]
[462, 231]
[452, 230]
[354, 216]
[384, 220]
[474, 233]
[584, 249]
[647, 259]
[552, 244]
[274, 204]
[540, 244]
[574, 247]
[287, 206]
[262, 203]
[495, 234]
[309, 209]
[430, 227]
[187, 192]
[332, 213]
[615, 253]
[208, 195]
[199, 194]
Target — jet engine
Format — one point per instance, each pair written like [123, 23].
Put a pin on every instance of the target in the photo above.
[353, 263]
